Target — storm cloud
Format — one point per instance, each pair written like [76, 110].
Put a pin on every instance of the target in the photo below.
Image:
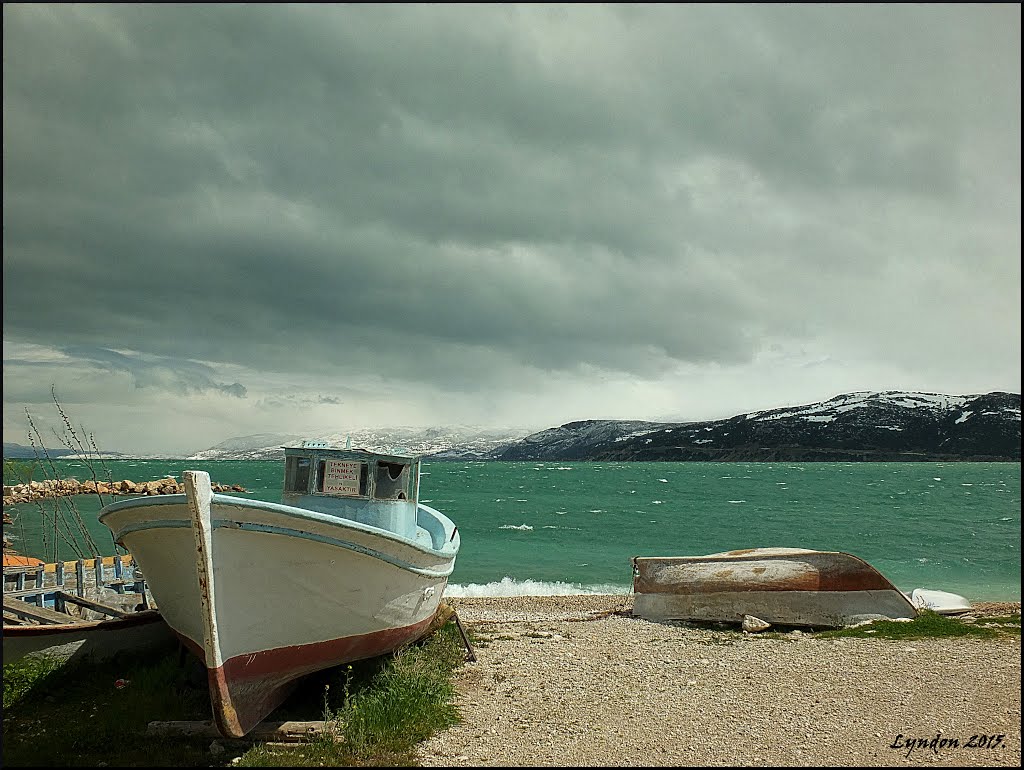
[230, 219]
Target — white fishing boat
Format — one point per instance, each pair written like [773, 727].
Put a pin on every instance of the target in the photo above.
[349, 565]
[780, 586]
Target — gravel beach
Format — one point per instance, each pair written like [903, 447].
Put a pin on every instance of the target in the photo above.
[578, 681]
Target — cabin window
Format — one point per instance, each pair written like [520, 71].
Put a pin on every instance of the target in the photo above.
[342, 477]
[296, 474]
[392, 481]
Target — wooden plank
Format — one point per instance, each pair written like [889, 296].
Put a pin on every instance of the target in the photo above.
[29, 595]
[94, 605]
[126, 588]
[286, 732]
[42, 614]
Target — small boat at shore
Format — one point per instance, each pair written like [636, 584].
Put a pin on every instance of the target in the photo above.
[940, 602]
[73, 610]
[349, 565]
[780, 586]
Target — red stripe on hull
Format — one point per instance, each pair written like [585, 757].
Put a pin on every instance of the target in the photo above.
[247, 688]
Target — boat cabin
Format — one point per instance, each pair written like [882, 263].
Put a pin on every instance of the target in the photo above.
[380, 490]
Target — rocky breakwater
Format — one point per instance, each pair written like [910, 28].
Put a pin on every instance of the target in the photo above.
[40, 490]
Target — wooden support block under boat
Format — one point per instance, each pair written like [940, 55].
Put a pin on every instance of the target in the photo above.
[445, 612]
[284, 732]
[441, 617]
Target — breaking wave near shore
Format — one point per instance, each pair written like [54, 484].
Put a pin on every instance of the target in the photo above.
[509, 587]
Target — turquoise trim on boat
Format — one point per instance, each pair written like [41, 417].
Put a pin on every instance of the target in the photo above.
[286, 532]
[298, 513]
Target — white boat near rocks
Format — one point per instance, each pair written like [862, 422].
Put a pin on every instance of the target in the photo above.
[941, 602]
[348, 566]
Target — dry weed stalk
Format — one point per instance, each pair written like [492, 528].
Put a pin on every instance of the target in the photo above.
[68, 524]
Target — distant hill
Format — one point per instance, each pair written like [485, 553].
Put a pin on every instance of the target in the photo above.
[260, 446]
[867, 426]
[438, 443]
[21, 452]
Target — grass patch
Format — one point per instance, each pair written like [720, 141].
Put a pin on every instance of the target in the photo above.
[1007, 625]
[405, 702]
[20, 680]
[73, 715]
[927, 625]
[930, 625]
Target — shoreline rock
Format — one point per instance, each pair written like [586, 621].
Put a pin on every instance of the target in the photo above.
[52, 488]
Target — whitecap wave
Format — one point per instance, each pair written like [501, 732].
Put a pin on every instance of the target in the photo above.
[509, 587]
[513, 526]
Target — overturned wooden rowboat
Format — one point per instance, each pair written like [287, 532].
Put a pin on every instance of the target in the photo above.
[89, 608]
[781, 586]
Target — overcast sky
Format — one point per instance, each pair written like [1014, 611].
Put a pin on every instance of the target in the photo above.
[238, 219]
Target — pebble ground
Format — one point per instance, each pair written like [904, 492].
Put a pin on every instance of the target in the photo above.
[577, 681]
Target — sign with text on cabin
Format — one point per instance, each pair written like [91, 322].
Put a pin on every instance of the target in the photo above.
[341, 477]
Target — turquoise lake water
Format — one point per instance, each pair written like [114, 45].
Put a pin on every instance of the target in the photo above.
[572, 527]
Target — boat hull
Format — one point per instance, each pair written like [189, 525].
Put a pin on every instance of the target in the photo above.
[72, 610]
[266, 594]
[95, 640]
[940, 602]
[782, 586]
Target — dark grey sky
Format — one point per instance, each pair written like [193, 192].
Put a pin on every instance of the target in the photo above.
[233, 219]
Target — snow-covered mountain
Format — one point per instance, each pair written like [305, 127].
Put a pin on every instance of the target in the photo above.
[877, 426]
[439, 443]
